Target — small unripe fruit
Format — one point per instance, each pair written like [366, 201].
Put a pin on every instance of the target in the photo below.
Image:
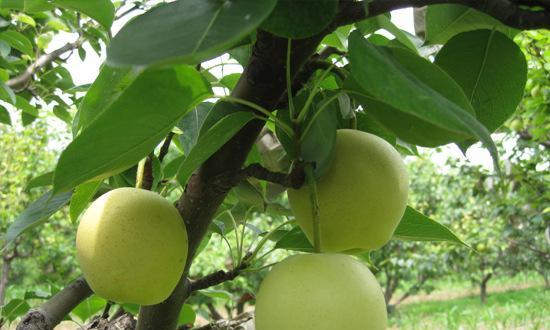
[320, 292]
[362, 196]
[132, 246]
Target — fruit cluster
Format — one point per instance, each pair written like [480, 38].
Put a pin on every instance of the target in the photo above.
[132, 243]
[361, 200]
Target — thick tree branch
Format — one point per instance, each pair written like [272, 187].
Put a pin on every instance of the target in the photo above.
[53, 311]
[508, 12]
[263, 82]
[21, 81]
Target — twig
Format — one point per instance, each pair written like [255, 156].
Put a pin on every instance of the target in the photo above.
[507, 12]
[165, 146]
[21, 81]
[228, 324]
[294, 179]
[216, 278]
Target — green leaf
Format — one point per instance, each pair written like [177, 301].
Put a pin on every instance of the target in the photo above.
[230, 80]
[37, 212]
[191, 124]
[7, 94]
[40, 181]
[186, 31]
[27, 6]
[217, 294]
[373, 24]
[298, 19]
[15, 308]
[138, 120]
[4, 116]
[22, 104]
[492, 71]
[106, 89]
[446, 20]
[89, 308]
[82, 196]
[212, 140]
[411, 86]
[63, 114]
[187, 315]
[295, 240]
[103, 11]
[415, 226]
[18, 41]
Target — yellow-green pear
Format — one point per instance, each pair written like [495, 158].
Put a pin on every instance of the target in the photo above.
[362, 196]
[132, 246]
[320, 292]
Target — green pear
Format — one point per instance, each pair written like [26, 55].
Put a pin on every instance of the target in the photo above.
[362, 196]
[132, 246]
[320, 292]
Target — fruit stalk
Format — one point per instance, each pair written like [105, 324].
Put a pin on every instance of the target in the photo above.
[310, 178]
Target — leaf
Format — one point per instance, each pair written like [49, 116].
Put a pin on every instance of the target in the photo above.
[7, 94]
[186, 31]
[191, 124]
[27, 6]
[4, 116]
[15, 308]
[373, 24]
[37, 212]
[103, 11]
[295, 240]
[217, 294]
[475, 60]
[22, 104]
[446, 20]
[415, 226]
[89, 308]
[408, 87]
[211, 141]
[138, 120]
[82, 196]
[187, 315]
[298, 19]
[106, 89]
[40, 181]
[18, 41]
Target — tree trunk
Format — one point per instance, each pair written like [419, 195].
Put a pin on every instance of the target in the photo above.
[483, 288]
[6, 266]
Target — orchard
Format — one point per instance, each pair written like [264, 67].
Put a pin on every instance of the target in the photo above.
[162, 161]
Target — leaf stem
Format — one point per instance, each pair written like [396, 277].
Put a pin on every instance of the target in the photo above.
[289, 81]
[310, 178]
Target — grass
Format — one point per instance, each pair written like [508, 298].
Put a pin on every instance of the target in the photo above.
[514, 309]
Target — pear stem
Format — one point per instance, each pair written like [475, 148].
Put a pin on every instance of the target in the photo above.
[310, 178]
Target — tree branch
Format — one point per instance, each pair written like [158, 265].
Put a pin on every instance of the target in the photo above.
[263, 82]
[294, 179]
[509, 13]
[53, 311]
[216, 278]
[228, 324]
[21, 81]
[165, 146]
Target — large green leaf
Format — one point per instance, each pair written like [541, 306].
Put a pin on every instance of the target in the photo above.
[186, 31]
[212, 140]
[415, 226]
[105, 90]
[404, 85]
[102, 11]
[89, 308]
[27, 6]
[18, 41]
[300, 19]
[14, 308]
[492, 71]
[83, 195]
[131, 126]
[295, 240]
[191, 124]
[37, 212]
[446, 20]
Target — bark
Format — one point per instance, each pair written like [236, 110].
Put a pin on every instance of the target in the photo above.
[483, 288]
[6, 266]
[54, 310]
